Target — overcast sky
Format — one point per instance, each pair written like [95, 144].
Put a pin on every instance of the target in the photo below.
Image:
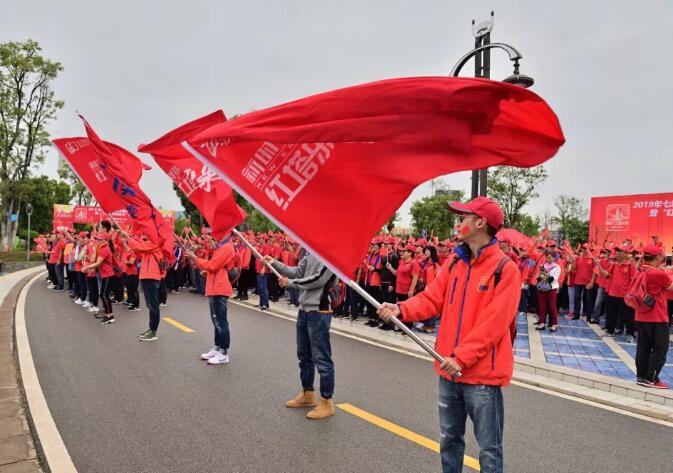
[137, 69]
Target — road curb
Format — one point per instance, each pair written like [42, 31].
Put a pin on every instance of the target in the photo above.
[55, 456]
[596, 388]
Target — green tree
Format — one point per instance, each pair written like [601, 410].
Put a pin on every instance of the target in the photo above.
[42, 193]
[81, 195]
[529, 225]
[432, 214]
[27, 105]
[513, 188]
[571, 219]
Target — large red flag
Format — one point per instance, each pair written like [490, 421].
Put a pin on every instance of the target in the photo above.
[331, 168]
[84, 161]
[202, 186]
[122, 166]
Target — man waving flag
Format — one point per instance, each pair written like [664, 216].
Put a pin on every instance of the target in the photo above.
[323, 162]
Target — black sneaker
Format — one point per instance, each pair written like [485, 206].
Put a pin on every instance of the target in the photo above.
[148, 336]
[645, 382]
[107, 320]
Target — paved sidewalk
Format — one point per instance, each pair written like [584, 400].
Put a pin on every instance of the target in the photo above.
[17, 449]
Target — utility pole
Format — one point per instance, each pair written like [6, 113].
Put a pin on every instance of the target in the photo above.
[482, 68]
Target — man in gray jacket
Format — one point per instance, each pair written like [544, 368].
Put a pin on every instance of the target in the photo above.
[314, 350]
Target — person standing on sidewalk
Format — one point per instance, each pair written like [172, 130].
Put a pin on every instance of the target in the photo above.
[477, 295]
[314, 348]
[151, 274]
[218, 291]
[652, 325]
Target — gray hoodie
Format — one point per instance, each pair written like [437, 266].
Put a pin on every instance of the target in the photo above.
[311, 277]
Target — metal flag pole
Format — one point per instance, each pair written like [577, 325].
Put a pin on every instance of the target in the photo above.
[258, 255]
[398, 323]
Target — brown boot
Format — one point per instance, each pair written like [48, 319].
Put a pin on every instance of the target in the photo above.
[322, 410]
[303, 399]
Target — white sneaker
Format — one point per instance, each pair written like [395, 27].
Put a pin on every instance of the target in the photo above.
[629, 339]
[50, 286]
[86, 304]
[219, 359]
[210, 354]
[163, 305]
[78, 301]
[93, 309]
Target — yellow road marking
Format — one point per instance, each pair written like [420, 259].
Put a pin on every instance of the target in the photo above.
[402, 432]
[177, 324]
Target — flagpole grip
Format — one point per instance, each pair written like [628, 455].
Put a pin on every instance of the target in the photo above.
[398, 323]
[258, 255]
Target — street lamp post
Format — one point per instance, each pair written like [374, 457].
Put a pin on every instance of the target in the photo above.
[482, 68]
[29, 210]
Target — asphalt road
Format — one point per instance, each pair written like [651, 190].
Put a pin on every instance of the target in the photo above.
[125, 406]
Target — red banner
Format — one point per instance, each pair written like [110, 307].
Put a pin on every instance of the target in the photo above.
[67, 215]
[637, 217]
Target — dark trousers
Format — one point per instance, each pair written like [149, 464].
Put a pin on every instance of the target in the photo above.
[584, 300]
[619, 316]
[82, 286]
[151, 292]
[132, 296]
[388, 292]
[651, 350]
[314, 350]
[274, 289]
[375, 292]
[243, 282]
[218, 314]
[70, 276]
[163, 293]
[51, 269]
[92, 286]
[105, 295]
[117, 288]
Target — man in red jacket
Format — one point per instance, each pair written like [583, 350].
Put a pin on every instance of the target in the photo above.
[474, 336]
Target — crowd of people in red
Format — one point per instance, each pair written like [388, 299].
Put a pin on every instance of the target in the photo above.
[104, 267]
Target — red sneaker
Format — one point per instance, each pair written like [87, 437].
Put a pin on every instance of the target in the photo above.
[660, 385]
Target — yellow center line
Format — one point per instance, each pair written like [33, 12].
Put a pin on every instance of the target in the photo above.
[402, 432]
[177, 324]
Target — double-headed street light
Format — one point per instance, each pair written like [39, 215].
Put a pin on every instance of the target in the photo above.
[482, 68]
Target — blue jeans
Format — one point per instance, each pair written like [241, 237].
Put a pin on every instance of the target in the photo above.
[315, 350]
[263, 290]
[151, 291]
[218, 314]
[59, 275]
[484, 405]
[599, 305]
[294, 296]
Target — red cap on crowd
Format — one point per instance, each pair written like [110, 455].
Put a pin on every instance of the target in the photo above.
[103, 236]
[483, 207]
[389, 241]
[82, 234]
[624, 248]
[653, 250]
[422, 242]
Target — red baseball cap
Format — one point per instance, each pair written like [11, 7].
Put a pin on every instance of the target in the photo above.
[653, 250]
[421, 242]
[483, 207]
[103, 236]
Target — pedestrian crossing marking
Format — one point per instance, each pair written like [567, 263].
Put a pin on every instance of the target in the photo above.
[402, 432]
[178, 325]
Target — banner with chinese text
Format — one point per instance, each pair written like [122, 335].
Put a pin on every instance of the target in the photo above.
[637, 217]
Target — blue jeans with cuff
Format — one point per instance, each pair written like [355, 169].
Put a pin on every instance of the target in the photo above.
[314, 350]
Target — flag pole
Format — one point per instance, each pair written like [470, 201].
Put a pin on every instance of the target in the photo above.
[258, 255]
[398, 323]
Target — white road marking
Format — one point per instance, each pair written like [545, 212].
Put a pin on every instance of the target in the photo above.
[54, 449]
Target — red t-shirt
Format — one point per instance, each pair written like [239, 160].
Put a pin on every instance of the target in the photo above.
[405, 274]
[130, 268]
[656, 283]
[57, 256]
[105, 269]
[584, 268]
[622, 275]
[603, 281]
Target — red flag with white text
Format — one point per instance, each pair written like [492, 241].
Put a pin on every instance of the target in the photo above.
[331, 168]
[202, 186]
